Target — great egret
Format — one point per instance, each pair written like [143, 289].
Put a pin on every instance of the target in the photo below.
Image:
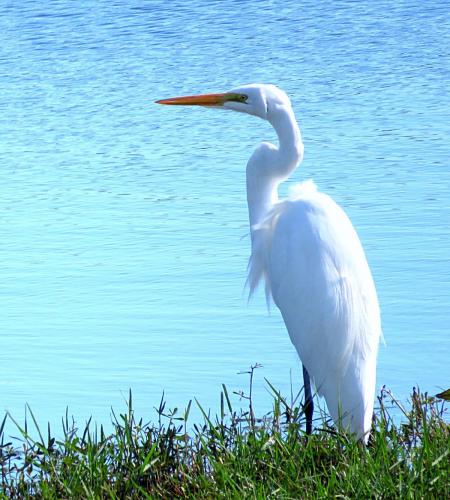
[313, 264]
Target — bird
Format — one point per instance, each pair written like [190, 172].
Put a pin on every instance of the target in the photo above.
[310, 257]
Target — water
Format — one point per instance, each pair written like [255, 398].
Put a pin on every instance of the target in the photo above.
[124, 224]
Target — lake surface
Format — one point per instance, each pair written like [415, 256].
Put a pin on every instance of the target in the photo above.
[123, 224]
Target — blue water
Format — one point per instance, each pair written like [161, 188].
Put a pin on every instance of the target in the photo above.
[123, 224]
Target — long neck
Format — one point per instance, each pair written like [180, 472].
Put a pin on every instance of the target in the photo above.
[270, 165]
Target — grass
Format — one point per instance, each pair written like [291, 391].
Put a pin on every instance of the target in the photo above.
[233, 455]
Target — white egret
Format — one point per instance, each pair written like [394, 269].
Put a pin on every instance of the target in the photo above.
[313, 264]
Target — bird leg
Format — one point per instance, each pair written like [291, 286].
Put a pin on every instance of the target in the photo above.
[308, 407]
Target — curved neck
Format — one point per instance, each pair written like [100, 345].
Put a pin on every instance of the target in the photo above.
[270, 165]
[290, 147]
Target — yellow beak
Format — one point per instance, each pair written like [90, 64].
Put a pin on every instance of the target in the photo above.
[196, 100]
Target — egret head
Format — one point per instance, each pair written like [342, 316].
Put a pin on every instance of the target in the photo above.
[256, 99]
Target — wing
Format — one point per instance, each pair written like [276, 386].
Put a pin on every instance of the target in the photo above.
[319, 278]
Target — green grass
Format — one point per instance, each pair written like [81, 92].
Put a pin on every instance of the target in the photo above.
[233, 455]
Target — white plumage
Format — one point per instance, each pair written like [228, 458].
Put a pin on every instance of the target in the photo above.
[316, 271]
[310, 257]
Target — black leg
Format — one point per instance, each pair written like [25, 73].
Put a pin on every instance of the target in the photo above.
[308, 408]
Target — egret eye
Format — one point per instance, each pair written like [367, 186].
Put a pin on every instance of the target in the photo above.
[237, 97]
